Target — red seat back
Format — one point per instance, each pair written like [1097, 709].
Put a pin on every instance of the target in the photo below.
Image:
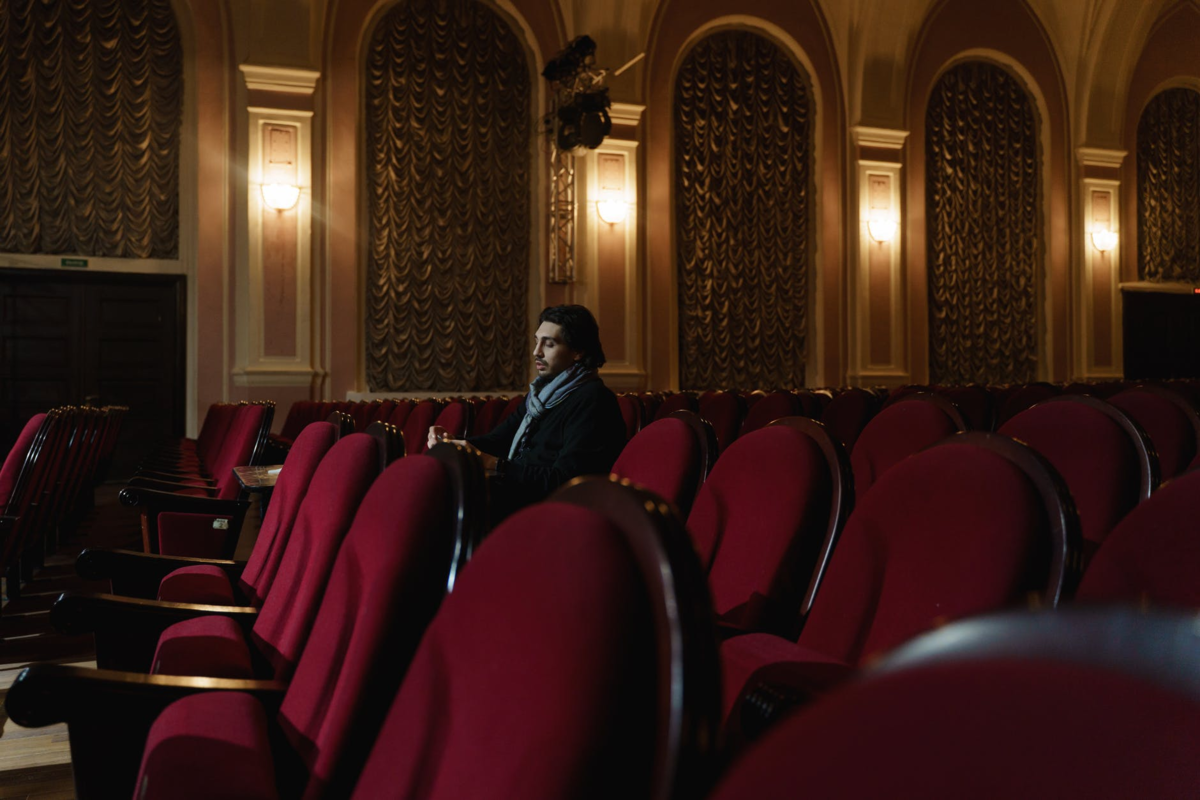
[631, 412]
[290, 489]
[976, 404]
[400, 412]
[1071, 713]
[724, 411]
[1020, 398]
[514, 403]
[1169, 421]
[334, 494]
[455, 418]
[387, 582]
[1101, 455]
[16, 458]
[488, 416]
[848, 413]
[555, 669]
[759, 523]
[972, 525]
[666, 458]
[902, 428]
[416, 427]
[1153, 555]
[769, 408]
[677, 401]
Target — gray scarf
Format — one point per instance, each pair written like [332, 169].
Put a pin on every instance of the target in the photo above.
[550, 395]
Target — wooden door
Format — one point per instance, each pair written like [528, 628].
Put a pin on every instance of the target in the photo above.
[99, 338]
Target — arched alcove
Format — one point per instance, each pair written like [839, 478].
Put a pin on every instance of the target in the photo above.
[743, 147]
[448, 199]
[984, 227]
[1168, 187]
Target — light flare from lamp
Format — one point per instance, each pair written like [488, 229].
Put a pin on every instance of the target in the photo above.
[612, 210]
[882, 225]
[1104, 239]
[280, 196]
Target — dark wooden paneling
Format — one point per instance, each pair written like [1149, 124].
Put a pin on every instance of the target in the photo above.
[103, 338]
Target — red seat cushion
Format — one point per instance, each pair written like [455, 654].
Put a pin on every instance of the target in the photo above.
[205, 746]
[1153, 554]
[16, 458]
[211, 646]
[200, 583]
[1165, 423]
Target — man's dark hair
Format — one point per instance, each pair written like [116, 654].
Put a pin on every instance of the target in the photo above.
[580, 332]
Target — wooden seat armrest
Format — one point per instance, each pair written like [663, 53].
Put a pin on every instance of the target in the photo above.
[136, 574]
[156, 501]
[168, 487]
[127, 628]
[172, 476]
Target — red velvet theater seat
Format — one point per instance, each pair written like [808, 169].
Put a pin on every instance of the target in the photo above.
[16, 458]
[975, 524]
[573, 660]
[766, 518]
[1153, 555]
[1104, 457]
[676, 401]
[725, 412]
[455, 418]
[1168, 419]
[671, 457]
[906, 426]
[416, 427]
[848, 413]
[1032, 706]
[770, 407]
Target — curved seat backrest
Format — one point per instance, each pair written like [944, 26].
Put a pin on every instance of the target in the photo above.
[17, 456]
[725, 412]
[1104, 457]
[1023, 397]
[1153, 555]
[400, 412]
[514, 405]
[976, 404]
[416, 427]
[1168, 419]
[455, 418]
[678, 401]
[217, 423]
[769, 408]
[905, 426]
[238, 448]
[670, 457]
[1062, 704]
[489, 416]
[759, 523]
[290, 489]
[335, 492]
[848, 413]
[631, 413]
[342, 421]
[587, 650]
[974, 524]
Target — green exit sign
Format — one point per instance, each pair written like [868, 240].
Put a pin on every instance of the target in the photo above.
[74, 262]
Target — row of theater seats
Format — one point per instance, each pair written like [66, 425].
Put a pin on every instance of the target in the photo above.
[600, 644]
[46, 483]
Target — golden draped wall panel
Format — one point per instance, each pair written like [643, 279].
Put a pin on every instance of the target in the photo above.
[985, 237]
[1168, 171]
[89, 142]
[448, 170]
[743, 129]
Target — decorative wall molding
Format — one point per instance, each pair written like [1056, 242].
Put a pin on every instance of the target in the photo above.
[279, 79]
[879, 314]
[985, 235]
[1100, 157]
[448, 146]
[743, 218]
[1098, 293]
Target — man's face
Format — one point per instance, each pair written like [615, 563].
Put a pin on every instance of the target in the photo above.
[551, 355]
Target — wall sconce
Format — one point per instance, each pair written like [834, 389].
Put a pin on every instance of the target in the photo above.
[1104, 239]
[280, 196]
[882, 225]
[612, 210]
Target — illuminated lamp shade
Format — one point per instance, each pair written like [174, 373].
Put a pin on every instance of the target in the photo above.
[280, 196]
[881, 225]
[1104, 239]
[612, 210]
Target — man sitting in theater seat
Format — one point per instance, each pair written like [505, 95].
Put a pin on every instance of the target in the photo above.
[570, 423]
